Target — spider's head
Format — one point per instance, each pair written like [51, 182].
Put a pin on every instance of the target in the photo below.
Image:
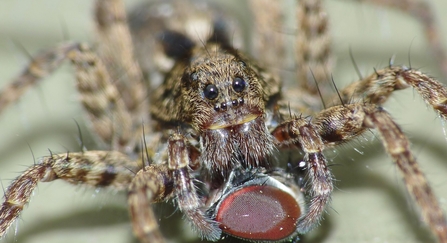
[224, 97]
[221, 91]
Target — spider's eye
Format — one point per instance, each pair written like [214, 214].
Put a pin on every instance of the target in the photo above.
[238, 84]
[210, 91]
[194, 76]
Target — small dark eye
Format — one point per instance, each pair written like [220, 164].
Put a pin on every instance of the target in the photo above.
[194, 76]
[210, 91]
[238, 84]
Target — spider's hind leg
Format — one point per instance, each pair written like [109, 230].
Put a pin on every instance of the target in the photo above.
[110, 119]
[109, 80]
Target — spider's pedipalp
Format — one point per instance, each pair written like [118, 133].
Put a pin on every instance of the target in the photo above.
[187, 198]
[305, 135]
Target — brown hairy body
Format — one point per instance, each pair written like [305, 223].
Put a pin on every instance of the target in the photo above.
[202, 123]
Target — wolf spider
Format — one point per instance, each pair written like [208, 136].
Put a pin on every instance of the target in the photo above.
[281, 116]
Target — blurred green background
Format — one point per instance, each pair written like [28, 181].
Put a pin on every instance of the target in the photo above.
[369, 202]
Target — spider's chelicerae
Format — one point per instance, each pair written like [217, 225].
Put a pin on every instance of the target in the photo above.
[221, 107]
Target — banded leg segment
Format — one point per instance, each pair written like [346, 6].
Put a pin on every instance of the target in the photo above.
[107, 111]
[397, 146]
[313, 58]
[342, 123]
[151, 184]
[105, 107]
[378, 87]
[40, 66]
[311, 39]
[93, 168]
[117, 52]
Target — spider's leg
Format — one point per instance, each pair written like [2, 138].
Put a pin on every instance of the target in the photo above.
[93, 168]
[268, 41]
[110, 84]
[151, 184]
[304, 134]
[302, 45]
[311, 40]
[109, 116]
[116, 50]
[313, 58]
[397, 145]
[340, 124]
[377, 87]
[422, 11]
[40, 66]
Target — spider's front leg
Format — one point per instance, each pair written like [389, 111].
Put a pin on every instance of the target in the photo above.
[152, 184]
[378, 87]
[158, 183]
[93, 168]
[340, 124]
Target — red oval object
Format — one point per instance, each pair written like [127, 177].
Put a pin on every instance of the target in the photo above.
[259, 212]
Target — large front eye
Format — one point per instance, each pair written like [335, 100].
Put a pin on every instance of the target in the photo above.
[210, 91]
[238, 84]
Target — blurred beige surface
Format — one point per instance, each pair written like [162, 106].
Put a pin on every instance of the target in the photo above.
[369, 203]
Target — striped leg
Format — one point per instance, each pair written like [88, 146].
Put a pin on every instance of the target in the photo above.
[93, 168]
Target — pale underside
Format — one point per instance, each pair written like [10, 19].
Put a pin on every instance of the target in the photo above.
[369, 204]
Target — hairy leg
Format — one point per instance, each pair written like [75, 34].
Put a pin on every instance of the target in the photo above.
[93, 168]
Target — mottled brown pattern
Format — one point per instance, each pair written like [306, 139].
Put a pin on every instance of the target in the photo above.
[397, 146]
[94, 168]
[214, 117]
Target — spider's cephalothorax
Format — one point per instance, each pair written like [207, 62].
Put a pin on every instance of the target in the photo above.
[217, 122]
[223, 97]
